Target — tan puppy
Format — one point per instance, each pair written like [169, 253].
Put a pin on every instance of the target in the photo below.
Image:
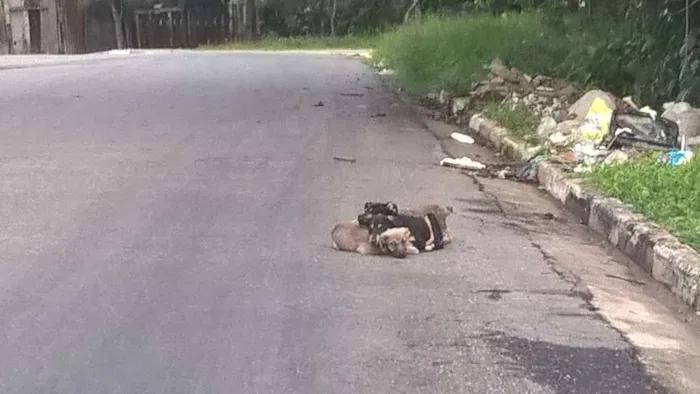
[351, 237]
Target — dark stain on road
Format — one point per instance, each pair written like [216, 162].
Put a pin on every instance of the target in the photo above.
[569, 369]
[494, 294]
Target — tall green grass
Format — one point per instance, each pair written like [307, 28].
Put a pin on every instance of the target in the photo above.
[451, 52]
[300, 43]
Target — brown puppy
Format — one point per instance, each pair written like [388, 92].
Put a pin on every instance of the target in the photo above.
[347, 236]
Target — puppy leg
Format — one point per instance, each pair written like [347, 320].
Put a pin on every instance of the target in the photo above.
[447, 237]
[430, 243]
[410, 249]
[334, 245]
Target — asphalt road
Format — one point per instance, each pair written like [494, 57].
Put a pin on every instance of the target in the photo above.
[166, 229]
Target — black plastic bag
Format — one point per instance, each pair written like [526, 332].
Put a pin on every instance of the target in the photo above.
[642, 130]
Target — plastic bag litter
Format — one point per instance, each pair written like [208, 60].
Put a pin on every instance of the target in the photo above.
[675, 158]
[463, 138]
[648, 110]
[463, 162]
[642, 128]
[596, 124]
[528, 170]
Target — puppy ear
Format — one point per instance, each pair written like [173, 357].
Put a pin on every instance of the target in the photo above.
[450, 209]
[392, 207]
[368, 204]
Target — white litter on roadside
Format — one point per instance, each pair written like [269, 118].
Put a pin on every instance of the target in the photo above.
[462, 162]
[386, 71]
[463, 138]
[119, 52]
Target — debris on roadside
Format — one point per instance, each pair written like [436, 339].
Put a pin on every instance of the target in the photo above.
[675, 158]
[463, 162]
[642, 129]
[579, 130]
[319, 104]
[527, 172]
[463, 138]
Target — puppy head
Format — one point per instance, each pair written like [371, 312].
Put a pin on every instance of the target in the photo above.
[441, 212]
[364, 219]
[379, 224]
[376, 208]
[384, 208]
[396, 241]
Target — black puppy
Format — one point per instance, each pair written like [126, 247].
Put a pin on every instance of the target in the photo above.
[377, 208]
[425, 231]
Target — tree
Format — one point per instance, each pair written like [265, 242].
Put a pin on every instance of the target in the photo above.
[117, 9]
[334, 10]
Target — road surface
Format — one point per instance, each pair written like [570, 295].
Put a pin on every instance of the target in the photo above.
[166, 229]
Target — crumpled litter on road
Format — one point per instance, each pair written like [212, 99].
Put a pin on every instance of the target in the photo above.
[463, 138]
[527, 172]
[463, 162]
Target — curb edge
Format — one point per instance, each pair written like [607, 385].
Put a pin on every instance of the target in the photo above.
[654, 249]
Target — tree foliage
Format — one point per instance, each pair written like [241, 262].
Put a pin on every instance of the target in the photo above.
[647, 48]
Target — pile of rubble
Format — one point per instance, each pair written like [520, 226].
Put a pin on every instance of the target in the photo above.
[541, 95]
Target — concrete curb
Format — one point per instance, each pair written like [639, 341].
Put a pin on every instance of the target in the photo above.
[659, 253]
[13, 62]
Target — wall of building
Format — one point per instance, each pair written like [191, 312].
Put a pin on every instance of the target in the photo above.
[49, 27]
[17, 19]
[4, 30]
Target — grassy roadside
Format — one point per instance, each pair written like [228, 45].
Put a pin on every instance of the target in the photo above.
[451, 52]
[668, 196]
[300, 43]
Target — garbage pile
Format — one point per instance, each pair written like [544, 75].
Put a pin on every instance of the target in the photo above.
[604, 130]
[541, 95]
[578, 130]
